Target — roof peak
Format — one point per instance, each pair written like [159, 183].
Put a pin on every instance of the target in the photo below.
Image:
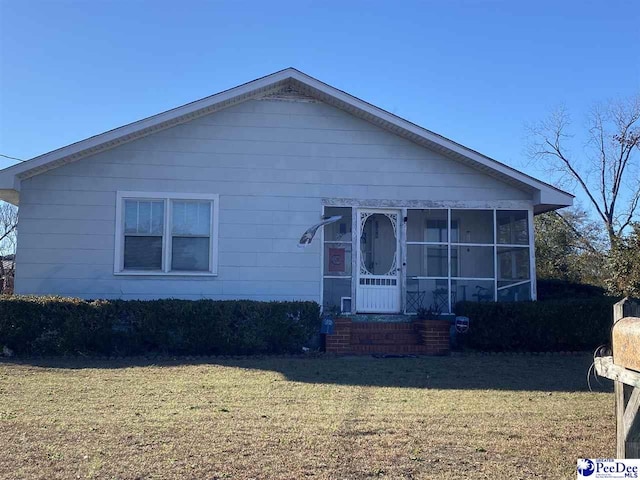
[10, 177]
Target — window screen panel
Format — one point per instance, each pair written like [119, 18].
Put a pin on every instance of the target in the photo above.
[472, 262]
[512, 227]
[334, 290]
[144, 217]
[427, 261]
[340, 230]
[472, 291]
[191, 218]
[513, 263]
[472, 226]
[142, 253]
[428, 225]
[337, 259]
[190, 254]
[422, 293]
[514, 293]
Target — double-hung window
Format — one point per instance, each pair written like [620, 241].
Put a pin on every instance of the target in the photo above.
[166, 234]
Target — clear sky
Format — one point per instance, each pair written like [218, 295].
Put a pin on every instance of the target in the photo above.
[474, 71]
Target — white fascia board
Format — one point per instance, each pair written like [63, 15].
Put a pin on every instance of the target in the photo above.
[9, 187]
[10, 196]
[551, 196]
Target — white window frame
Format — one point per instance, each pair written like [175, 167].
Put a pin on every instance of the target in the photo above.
[167, 198]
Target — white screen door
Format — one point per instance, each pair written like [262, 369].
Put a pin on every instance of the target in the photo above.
[378, 283]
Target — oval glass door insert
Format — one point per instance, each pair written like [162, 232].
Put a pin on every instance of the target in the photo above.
[378, 244]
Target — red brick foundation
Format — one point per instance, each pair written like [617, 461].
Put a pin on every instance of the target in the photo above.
[340, 341]
[422, 337]
[435, 336]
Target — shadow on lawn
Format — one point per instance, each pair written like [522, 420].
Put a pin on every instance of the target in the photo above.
[555, 373]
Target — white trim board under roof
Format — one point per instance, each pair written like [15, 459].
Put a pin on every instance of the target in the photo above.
[546, 197]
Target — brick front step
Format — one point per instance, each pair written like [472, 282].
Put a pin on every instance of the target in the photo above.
[395, 350]
[400, 338]
[385, 338]
[383, 327]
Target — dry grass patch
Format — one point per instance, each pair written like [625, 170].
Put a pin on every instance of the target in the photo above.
[291, 418]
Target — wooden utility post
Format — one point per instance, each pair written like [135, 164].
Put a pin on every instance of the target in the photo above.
[624, 369]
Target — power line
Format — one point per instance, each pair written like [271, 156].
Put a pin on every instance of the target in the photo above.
[11, 158]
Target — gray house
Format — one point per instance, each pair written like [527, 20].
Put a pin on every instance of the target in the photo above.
[209, 200]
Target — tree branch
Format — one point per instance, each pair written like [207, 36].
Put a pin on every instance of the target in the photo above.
[8, 232]
[635, 201]
[574, 173]
[578, 234]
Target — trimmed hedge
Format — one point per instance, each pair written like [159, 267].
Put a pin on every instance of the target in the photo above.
[561, 289]
[554, 325]
[69, 326]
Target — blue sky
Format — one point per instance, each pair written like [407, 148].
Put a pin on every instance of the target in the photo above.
[474, 71]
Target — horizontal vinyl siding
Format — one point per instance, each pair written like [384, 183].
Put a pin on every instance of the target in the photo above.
[271, 162]
[297, 176]
[464, 188]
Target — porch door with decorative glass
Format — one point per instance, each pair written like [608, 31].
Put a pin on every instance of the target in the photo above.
[378, 282]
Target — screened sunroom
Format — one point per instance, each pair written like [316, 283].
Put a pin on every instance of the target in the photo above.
[400, 260]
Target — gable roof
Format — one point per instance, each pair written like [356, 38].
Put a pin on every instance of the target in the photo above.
[546, 197]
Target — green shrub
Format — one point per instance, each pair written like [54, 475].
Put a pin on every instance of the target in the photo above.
[555, 325]
[55, 325]
[561, 289]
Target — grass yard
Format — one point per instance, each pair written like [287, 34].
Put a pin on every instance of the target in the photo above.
[505, 417]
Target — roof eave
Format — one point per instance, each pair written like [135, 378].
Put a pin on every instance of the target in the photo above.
[10, 196]
[544, 208]
[146, 126]
[10, 177]
[417, 133]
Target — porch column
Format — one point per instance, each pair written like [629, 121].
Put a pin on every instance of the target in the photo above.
[355, 244]
[403, 261]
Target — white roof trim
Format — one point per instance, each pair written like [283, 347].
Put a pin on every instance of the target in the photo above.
[546, 197]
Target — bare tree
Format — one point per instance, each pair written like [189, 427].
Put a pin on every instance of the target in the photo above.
[8, 237]
[608, 171]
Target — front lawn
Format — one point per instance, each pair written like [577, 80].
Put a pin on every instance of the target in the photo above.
[506, 417]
